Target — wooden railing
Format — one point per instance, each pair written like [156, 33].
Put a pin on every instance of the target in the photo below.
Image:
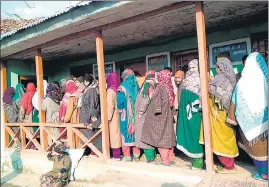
[43, 139]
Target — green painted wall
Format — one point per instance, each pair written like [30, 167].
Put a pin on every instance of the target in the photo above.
[17, 67]
[58, 70]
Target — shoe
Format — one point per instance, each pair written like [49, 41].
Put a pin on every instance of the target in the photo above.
[126, 159]
[257, 176]
[136, 158]
[162, 164]
[172, 163]
[150, 161]
[227, 171]
[117, 159]
[194, 168]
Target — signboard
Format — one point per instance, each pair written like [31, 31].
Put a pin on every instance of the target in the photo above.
[109, 68]
[158, 61]
[236, 48]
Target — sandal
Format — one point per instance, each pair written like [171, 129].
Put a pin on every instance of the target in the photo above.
[257, 176]
[162, 164]
[227, 171]
[126, 159]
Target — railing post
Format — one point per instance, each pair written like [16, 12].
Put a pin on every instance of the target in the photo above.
[103, 97]
[40, 90]
[201, 36]
[4, 133]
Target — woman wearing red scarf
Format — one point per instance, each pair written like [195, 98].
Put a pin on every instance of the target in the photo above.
[26, 106]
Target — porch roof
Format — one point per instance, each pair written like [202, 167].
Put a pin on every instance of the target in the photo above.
[123, 23]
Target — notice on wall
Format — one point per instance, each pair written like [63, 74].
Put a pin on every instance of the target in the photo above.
[158, 61]
[109, 68]
[236, 48]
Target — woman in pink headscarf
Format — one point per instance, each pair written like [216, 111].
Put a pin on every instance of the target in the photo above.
[113, 115]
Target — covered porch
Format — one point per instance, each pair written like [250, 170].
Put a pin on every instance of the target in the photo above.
[93, 30]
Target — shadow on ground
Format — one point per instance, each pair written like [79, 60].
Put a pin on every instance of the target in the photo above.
[172, 185]
[17, 168]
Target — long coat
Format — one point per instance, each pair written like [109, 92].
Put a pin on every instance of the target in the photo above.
[158, 131]
[113, 117]
[141, 106]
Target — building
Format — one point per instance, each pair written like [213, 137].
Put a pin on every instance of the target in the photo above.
[135, 35]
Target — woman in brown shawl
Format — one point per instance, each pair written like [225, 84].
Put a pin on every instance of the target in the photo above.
[159, 131]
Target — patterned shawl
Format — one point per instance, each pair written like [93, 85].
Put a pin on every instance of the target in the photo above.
[251, 98]
[192, 78]
[69, 89]
[19, 92]
[26, 100]
[130, 87]
[150, 84]
[8, 95]
[164, 78]
[223, 84]
[53, 93]
[113, 82]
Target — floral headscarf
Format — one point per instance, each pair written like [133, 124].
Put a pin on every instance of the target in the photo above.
[192, 78]
[164, 78]
[150, 84]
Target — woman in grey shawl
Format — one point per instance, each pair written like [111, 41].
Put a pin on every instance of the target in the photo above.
[223, 135]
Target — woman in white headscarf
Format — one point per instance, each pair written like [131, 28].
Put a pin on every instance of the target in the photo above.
[36, 103]
[249, 110]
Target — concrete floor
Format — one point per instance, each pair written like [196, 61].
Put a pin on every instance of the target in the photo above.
[133, 174]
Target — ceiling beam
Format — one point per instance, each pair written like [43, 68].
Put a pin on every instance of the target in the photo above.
[87, 32]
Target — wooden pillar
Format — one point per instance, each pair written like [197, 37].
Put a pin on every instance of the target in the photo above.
[40, 90]
[4, 133]
[103, 97]
[201, 36]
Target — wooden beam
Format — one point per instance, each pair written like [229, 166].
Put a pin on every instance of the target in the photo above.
[40, 90]
[201, 36]
[5, 134]
[102, 90]
[87, 32]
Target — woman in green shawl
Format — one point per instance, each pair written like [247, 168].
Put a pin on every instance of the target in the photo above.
[19, 92]
[142, 103]
[189, 117]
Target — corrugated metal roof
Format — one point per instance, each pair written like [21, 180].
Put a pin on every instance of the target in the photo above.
[82, 3]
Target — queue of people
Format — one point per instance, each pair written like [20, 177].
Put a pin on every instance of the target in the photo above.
[163, 112]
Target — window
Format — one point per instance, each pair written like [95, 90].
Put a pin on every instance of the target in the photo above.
[181, 60]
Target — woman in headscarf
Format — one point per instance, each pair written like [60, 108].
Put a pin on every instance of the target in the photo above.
[10, 107]
[189, 117]
[158, 131]
[72, 111]
[36, 103]
[126, 98]
[249, 109]
[26, 106]
[142, 103]
[50, 104]
[90, 111]
[70, 88]
[19, 92]
[223, 135]
[113, 115]
[59, 176]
